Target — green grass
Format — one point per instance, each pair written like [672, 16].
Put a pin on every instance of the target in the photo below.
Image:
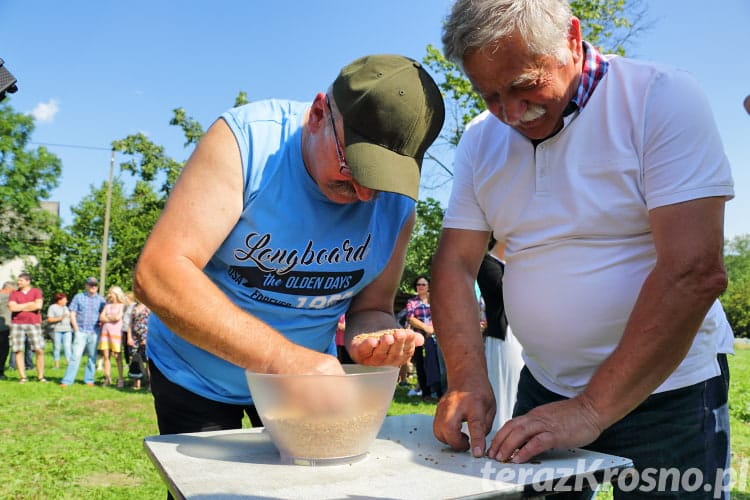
[739, 409]
[86, 442]
[75, 442]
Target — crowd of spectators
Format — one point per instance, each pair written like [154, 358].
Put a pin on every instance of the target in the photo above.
[116, 327]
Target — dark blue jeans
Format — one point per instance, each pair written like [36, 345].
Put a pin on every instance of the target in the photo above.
[678, 440]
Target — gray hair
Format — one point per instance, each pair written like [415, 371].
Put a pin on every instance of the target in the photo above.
[474, 24]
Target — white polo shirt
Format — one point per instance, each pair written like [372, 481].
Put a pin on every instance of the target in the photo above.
[574, 216]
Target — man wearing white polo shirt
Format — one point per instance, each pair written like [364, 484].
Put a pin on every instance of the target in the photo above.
[606, 179]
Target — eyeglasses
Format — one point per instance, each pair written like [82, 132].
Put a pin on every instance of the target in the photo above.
[422, 284]
[343, 167]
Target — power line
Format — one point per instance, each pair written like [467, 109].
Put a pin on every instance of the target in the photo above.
[98, 148]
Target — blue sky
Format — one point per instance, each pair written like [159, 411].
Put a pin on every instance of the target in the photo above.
[95, 71]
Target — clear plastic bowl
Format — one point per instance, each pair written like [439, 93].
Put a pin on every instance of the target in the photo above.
[324, 419]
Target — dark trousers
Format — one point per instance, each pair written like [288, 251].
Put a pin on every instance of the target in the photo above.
[432, 367]
[418, 360]
[343, 355]
[685, 431]
[179, 410]
[4, 349]
[426, 360]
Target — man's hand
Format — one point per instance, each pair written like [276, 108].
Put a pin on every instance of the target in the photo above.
[298, 360]
[563, 424]
[473, 403]
[304, 390]
[393, 347]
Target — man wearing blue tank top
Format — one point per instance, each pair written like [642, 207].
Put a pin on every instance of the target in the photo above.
[286, 216]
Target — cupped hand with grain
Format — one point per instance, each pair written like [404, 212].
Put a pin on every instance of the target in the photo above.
[389, 347]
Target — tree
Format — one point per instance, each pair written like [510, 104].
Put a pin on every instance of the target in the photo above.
[74, 252]
[26, 178]
[423, 242]
[140, 212]
[133, 216]
[191, 128]
[736, 298]
[149, 162]
[62, 265]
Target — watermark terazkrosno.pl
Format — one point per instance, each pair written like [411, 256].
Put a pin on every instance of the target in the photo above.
[590, 474]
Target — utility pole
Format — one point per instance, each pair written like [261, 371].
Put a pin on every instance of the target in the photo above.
[105, 236]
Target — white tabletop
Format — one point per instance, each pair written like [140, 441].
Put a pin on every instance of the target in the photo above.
[405, 462]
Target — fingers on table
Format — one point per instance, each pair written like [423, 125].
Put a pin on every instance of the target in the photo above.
[520, 440]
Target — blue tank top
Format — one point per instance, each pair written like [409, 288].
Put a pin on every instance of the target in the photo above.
[294, 260]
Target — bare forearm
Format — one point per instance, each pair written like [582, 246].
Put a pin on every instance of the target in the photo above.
[209, 319]
[454, 306]
[453, 310]
[25, 307]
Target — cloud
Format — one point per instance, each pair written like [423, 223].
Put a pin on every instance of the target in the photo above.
[45, 112]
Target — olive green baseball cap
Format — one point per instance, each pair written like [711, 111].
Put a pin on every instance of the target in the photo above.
[392, 112]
